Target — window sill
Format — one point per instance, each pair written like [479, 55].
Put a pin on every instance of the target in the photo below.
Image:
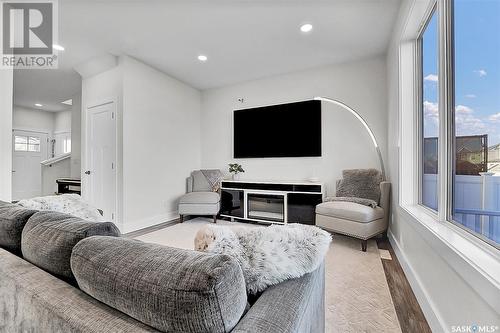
[477, 262]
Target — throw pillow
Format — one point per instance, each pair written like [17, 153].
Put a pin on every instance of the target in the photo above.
[360, 183]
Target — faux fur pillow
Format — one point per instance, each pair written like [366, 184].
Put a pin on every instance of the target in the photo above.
[360, 183]
[267, 255]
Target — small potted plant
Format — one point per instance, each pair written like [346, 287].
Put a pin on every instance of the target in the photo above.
[235, 169]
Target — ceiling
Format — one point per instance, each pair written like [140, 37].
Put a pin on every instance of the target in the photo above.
[46, 87]
[244, 40]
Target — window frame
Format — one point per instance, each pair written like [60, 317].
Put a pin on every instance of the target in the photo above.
[419, 96]
[66, 145]
[446, 104]
[28, 144]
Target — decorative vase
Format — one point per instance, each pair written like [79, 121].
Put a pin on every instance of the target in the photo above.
[235, 176]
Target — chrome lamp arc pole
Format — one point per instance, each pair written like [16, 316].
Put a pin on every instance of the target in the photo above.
[363, 122]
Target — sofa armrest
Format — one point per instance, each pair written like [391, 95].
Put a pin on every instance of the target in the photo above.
[293, 306]
[385, 198]
[189, 183]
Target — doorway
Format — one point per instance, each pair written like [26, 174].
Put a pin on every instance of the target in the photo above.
[29, 149]
[100, 171]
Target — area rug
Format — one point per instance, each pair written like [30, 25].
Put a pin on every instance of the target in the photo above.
[357, 295]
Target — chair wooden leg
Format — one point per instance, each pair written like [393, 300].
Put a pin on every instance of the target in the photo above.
[215, 218]
[363, 245]
[181, 219]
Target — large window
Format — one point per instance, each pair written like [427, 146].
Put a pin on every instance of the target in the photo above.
[476, 178]
[469, 36]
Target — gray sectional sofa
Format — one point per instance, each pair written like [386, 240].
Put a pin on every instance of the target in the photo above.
[61, 274]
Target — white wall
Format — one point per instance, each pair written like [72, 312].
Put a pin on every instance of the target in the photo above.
[445, 283]
[62, 132]
[51, 123]
[158, 122]
[161, 143]
[346, 144]
[76, 136]
[62, 121]
[33, 120]
[6, 85]
[50, 173]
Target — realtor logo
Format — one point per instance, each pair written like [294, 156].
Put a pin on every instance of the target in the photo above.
[28, 33]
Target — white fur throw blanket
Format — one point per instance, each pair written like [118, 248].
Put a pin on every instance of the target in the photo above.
[71, 204]
[267, 255]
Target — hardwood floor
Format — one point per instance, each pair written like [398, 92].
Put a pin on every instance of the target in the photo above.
[410, 315]
[148, 230]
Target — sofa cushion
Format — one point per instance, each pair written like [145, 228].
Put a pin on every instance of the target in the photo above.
[170, 289]
[12, 221]
[34, 301]
[350, 211]
[200, 198]
[49, 237]
[360, 183]
[200, 182]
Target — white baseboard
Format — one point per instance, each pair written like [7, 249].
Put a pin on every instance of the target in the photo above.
[148, 222]
[435, 321]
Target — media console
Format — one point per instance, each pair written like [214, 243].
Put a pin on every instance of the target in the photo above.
[270, 202]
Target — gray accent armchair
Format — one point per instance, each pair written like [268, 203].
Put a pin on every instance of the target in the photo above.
[199, 199]
[356, 220]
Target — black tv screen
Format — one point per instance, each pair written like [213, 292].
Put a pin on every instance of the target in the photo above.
[285, 130]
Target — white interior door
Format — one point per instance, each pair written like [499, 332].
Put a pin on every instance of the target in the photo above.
[100, 172]
[29, 149]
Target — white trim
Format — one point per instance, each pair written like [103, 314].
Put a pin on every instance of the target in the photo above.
[280, 182]
[254, 220]
[431, 314]
[269, 191]
[40, 131]
[6, 113]
[408, 155]
[470, 258]
[56, 159]
[62, 132]
[149, 222]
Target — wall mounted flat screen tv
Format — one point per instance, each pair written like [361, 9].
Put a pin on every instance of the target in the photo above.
[285, 130]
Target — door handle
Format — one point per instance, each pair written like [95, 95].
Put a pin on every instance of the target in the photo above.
[87, 172]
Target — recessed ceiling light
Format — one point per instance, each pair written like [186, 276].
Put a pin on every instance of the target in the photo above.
[202, 57]
[306, 27]
[38, 104]
[68, 102]
[58, 47]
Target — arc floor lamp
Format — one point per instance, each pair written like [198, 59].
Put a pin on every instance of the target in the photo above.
[362, 121]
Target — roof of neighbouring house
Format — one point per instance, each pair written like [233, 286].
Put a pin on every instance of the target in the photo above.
[494, 147]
